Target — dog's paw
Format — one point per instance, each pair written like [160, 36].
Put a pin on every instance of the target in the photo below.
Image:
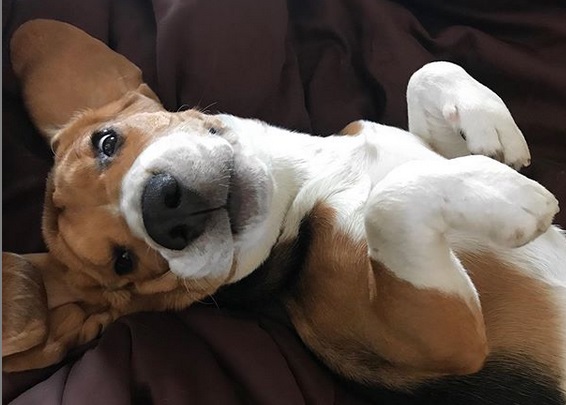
[498, 203]
[457, 116]
[481, 118]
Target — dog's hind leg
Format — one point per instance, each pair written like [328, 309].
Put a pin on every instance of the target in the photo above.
[411, 213]
[409, 312]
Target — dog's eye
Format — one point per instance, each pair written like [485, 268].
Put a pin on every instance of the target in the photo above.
[106, 141]
[212, 130]
[123, 261]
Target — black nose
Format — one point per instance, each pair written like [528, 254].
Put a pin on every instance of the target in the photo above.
[173, 215]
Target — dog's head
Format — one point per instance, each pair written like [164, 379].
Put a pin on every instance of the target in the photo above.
[144, 208]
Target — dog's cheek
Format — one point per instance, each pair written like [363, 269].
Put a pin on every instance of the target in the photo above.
[252, 193]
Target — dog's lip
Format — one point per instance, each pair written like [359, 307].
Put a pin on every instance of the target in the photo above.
[232, 202]
[210, 210]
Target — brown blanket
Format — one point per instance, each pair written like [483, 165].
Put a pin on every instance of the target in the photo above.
[303, 64]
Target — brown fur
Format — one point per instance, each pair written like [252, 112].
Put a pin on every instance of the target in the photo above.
[81, 196]
[520, 312]
[353, 128]
[371, 326]
[416, 333]
[23, 291]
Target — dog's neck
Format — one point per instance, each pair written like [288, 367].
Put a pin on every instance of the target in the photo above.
[293, 160]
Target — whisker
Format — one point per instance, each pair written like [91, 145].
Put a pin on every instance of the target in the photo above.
[200, 286]
[214, 300]
[205, 109]
[209, 296]
[189, 291]
[182, 107]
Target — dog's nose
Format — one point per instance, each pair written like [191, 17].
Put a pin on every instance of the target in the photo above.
[173, 215]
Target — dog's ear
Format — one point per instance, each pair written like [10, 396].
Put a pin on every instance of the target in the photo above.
[24, 305]
[64, 70]
[42, 316]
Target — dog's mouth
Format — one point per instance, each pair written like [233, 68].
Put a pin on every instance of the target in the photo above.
[234, 205]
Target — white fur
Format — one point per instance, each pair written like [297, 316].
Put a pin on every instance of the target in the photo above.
[442, 100]
[196, 260]
[425, 201]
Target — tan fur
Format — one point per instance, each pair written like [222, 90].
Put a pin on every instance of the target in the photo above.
[353, 312]
[520, 312]
[353, 128]
[23, 292]
[59, 59]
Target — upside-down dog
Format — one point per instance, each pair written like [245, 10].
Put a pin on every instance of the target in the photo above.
[415, 262]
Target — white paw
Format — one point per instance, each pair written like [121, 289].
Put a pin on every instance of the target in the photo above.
[488, 128]
[496, 202]
[446, 103]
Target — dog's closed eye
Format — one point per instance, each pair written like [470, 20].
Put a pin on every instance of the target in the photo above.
[106, 142]
[123, 261]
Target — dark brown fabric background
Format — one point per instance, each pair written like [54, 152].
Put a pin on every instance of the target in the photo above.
[304, 64]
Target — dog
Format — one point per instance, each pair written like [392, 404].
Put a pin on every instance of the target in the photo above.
[417, 258]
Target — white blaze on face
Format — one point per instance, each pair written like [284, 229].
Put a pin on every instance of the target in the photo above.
[201, 163]
[229, 169]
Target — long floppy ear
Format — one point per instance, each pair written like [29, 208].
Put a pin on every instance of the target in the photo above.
[24, 305]
[42, 317]
[63, 70]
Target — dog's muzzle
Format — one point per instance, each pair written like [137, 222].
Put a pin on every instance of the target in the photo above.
[173, 215]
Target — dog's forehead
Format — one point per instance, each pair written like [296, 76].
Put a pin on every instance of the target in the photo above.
[150, 121]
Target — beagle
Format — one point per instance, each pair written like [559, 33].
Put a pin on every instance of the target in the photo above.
[408, 259]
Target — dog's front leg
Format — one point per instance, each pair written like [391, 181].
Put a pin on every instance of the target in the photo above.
[457, 116]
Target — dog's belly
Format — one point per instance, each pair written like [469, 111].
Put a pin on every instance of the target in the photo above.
[526, 329]
[386, 148]
[524, 315]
